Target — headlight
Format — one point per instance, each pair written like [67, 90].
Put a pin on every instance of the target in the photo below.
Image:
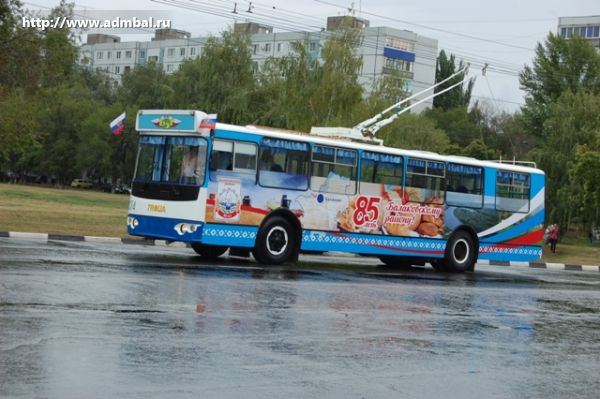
[132, 222]
[183, 228]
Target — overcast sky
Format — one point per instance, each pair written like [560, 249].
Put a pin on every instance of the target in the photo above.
[502, 34]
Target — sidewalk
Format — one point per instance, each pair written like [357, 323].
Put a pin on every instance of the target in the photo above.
[162, 243]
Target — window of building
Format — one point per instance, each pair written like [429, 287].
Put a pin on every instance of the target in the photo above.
[193, 51]
[142, 53]
[312, 46]
[283, 164]
[118, 54]
[169, 67]
[464, 185]
[182, 51]
[99, 55]
[399, 65]
[234, 159]
[170, 52]
[108, 54]
[400, 44]
[268, 47]
[563, 33]
[428, 178]
[512, 191]
[117, 69]
[127, 69]
[153, 58]
[333, 170]
[377, 169]
[279, 47]
[254, 48]
[128, 54]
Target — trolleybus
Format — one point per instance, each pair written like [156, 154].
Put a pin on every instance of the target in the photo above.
[274, 193]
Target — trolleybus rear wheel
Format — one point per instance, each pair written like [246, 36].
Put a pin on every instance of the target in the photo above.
[460, 255]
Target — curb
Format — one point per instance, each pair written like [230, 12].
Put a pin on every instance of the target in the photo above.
[175, 244]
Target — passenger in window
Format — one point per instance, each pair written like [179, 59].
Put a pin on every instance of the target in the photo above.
[462, 189]
[189, 165]
[268, 162]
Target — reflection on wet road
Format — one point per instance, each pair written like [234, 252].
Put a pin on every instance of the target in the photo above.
[82, 320]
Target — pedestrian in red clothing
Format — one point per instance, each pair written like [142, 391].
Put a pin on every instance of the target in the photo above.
[553, 237]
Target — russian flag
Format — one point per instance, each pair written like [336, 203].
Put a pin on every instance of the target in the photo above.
[118, 124]
[209, 122]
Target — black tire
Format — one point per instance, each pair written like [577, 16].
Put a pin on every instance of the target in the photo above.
[400, 262]
[209, 251]
[277, 242]
[460, 255]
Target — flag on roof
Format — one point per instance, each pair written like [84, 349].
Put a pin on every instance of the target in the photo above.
[118, 124]
[209, 122]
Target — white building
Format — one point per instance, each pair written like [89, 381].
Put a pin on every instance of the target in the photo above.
[382, 49]
[586, 27]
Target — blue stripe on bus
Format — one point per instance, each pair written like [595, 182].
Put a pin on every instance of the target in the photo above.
[372, 244]
[522, 253]
[229, 235]
[517, 230]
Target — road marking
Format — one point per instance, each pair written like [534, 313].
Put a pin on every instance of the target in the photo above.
[109, 240]
[29, 236]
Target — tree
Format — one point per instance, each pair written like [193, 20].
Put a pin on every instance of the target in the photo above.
[145, 87]
[286, 87]
[458, 124]
[19, 136]
[457, 97]
[220, 81]
[298, 91]
[415, 132]
[559, 66]
[339, 91]
[574, 121]
[584, 175]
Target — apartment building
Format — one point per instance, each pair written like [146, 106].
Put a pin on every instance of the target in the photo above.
[384, 50]
[588, 27]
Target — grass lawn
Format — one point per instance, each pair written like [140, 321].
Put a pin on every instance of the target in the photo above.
[576, 251]
[38, 209]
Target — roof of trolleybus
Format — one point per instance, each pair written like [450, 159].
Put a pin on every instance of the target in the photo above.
[335, 142]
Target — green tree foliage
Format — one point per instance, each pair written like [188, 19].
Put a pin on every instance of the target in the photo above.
[559, 66]
[286, 87]
[145, 86]
[586, 179]
[18, 129]
[458, 123]
[221, 80]
[574, 121]
[298, 92]
[415, 132]
[339, 91]
[457, 97]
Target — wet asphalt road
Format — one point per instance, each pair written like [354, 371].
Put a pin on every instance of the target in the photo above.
[96, 321]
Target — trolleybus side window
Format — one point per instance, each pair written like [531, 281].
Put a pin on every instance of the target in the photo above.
[512, 191]
[379, 169]
[233, 158]
[283, 164]
[464, 185]
[426, 179]
[333, 170]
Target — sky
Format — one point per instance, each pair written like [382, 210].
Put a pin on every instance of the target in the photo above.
[501, 34]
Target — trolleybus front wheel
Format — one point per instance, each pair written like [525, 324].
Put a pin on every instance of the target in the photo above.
[276, 241]
[209, 251]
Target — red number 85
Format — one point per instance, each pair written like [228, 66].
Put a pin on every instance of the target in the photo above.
[367, 209]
